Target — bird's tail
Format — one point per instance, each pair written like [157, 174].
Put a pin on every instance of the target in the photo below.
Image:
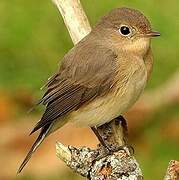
[36, 144]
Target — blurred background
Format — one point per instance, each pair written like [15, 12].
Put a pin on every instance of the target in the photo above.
[33, 39]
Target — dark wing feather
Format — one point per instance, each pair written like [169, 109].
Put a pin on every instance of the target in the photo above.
[87, 71]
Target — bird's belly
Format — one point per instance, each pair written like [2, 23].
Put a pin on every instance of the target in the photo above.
[110, 106]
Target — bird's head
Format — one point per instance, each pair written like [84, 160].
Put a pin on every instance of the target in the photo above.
[127, 29]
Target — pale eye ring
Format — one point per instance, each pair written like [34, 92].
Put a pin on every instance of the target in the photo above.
[125, 30]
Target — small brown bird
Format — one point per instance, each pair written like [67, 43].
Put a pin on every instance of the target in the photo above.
[99, 78]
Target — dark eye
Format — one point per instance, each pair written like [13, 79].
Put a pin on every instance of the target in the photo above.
[124, 30]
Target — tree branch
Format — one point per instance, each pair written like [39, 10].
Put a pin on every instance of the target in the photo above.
[172, 171]
[99, 164]
[74, 17]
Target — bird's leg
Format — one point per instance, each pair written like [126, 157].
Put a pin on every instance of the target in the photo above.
[104, 150]
[94, 129]
[112, 135]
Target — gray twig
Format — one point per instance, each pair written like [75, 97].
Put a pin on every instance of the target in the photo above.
[100, 164]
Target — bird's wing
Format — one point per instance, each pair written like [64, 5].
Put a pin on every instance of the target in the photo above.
[86, 72]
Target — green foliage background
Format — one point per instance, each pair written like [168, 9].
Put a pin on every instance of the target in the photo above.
[33, 39]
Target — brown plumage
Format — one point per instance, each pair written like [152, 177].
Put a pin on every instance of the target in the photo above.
[76, 82]
[101, 77]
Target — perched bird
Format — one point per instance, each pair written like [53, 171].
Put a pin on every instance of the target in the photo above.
[101, 77]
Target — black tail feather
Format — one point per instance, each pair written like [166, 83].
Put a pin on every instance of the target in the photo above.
[36, 144]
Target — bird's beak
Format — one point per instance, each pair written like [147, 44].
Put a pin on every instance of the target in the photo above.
[153, 34]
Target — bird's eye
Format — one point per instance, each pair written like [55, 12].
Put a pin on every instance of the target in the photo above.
[124, 30]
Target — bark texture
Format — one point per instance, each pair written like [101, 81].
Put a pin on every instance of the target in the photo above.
[102, 163]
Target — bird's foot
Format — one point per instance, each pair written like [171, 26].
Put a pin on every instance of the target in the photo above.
[107, 151]
[112, 137]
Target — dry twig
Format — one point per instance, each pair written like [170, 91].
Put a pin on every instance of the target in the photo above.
[99, 164]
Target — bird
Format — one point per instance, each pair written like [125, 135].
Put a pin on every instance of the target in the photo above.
[101, 77]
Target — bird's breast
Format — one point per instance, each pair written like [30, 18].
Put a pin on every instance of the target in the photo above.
[122, 96]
